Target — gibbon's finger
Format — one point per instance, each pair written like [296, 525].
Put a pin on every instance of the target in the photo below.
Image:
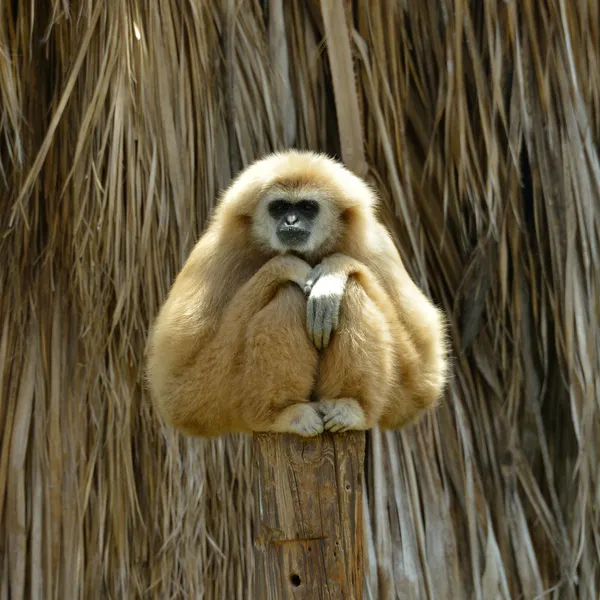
[326, 333]
[329, 416]
[321, 320]
[335, 311]
[313, 276]
[328, 307]
[336, 314]
[321, 308]
[324, 320]
[317, 331]
[321, 408]
[311, 316]
[332, 315]
[328, 323]
[301, 419]
[326, 295]
[335, 424]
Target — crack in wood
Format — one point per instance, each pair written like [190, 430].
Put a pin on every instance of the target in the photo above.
[300, 540]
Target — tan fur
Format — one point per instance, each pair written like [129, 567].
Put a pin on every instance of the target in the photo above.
[229, 350]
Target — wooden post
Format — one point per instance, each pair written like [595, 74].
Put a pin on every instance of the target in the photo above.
[309, 503]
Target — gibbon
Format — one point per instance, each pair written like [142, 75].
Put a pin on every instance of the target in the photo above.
[294, 313]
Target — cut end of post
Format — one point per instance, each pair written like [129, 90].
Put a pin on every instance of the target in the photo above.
[309, 503]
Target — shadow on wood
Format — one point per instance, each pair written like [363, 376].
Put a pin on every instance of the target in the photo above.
[309, 502]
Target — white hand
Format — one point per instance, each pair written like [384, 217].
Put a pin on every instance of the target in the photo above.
[325, 292]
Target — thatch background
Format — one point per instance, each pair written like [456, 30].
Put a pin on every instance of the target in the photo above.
[119, 122]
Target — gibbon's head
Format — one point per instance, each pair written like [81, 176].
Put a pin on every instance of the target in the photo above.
[299, 202]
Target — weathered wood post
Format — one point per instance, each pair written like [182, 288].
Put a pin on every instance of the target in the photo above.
[309, 491]
[309, 502]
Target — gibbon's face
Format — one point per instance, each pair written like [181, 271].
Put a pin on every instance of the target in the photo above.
[302, 220]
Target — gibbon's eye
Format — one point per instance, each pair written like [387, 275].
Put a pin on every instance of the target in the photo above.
[278, 208]
[309, 208]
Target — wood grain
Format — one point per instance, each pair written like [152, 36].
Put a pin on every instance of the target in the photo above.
[309, 502]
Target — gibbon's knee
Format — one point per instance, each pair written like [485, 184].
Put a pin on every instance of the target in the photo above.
[416, 386]
[358, 361]
[280, 362]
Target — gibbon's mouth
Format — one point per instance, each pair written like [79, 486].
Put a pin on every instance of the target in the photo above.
[292, 237]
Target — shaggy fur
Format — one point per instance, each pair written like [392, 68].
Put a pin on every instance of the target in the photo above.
[229, 351]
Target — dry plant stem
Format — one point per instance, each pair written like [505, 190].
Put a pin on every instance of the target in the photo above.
[481, 126]
[309, 503]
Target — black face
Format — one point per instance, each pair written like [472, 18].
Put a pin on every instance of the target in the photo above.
[294, 220]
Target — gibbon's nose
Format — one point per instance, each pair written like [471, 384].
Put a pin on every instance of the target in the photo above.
[293, 234]
[291, 219]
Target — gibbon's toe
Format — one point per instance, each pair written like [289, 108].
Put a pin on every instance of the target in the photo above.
[344, 414]
[302, 419]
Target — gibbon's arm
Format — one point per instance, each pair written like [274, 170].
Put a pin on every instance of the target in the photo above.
[190, 315]
[325, 288]
[384, 278]
[190, 378]
[256, 293]
[413, 306]
[425, 323]
[187, 321]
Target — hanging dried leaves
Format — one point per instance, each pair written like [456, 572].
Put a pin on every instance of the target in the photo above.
[120, 121]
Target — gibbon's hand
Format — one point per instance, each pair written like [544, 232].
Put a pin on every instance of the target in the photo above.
[325, 289]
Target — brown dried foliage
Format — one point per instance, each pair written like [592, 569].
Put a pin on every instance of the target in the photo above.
[119, 123]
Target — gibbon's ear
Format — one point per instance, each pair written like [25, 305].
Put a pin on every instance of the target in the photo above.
[240, 199]
[244, 192]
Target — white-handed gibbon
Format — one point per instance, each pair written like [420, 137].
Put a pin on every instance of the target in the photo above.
[294, 313]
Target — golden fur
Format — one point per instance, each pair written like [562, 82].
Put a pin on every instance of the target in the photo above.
[229, 351]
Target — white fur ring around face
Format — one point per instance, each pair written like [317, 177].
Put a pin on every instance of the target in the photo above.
[325, 293]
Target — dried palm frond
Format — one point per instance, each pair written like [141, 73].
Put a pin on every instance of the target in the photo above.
[479, 124]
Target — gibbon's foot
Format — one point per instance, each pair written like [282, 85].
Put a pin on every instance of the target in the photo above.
[343, 414]
[302, 419]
